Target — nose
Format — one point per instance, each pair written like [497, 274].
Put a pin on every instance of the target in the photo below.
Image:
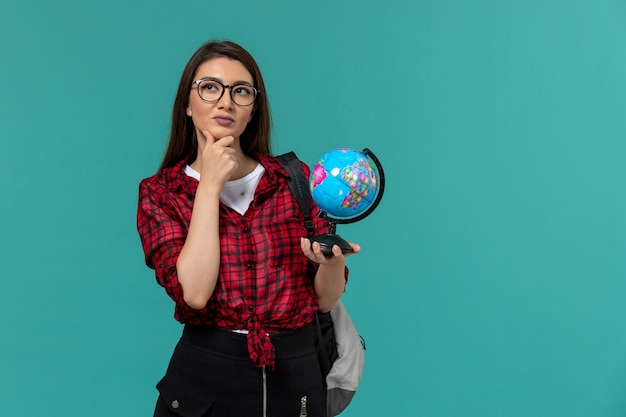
[226, 100]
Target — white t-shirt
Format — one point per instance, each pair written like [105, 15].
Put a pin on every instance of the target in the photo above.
[237, 194]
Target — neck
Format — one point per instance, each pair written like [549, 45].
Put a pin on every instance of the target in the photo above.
[246, 165]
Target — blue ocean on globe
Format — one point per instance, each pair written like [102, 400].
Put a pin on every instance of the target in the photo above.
[344, 183]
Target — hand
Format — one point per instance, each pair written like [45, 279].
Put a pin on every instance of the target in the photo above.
[314, 253]
[218, 159]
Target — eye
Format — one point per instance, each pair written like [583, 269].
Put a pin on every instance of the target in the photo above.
[210, 86]
[243, 90]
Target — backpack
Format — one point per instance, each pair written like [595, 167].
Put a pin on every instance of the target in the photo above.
[340, 348]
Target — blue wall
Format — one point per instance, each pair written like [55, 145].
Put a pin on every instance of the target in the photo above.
[492, 277]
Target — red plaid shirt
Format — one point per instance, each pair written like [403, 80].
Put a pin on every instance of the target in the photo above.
[263, 284]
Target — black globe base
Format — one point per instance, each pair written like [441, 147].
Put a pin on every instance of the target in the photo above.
[328, 240]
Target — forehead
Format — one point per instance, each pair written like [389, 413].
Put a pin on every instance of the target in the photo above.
[225, 69]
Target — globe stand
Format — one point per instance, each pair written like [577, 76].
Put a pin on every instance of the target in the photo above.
[328, 240]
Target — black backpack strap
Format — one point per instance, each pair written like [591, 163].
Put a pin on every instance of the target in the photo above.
[299, 187]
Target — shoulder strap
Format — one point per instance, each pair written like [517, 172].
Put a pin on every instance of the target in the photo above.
[298, 185]
[299, 188]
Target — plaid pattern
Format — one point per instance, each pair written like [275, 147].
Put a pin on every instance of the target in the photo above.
[263, 285]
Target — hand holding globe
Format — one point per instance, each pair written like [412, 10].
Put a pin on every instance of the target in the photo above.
[347, 185]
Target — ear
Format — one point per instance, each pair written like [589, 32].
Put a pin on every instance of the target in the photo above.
[188, 111]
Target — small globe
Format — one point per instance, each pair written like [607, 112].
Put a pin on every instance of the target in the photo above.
[344, 183]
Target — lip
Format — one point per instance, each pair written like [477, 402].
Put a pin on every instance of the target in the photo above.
[223, 120]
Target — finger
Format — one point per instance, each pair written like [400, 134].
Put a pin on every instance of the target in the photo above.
[316, 248]
[305, 244]
[356, 248]
[208, 136]
[225, 142]
[336, 250]
[307, 249]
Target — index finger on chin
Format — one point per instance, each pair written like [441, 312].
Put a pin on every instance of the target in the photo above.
[208, 136]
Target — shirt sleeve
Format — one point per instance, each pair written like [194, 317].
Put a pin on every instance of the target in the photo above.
[162, 229]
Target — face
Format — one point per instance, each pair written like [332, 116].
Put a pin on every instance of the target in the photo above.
[224, 117]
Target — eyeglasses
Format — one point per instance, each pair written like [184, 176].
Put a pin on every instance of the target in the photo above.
[212, 91]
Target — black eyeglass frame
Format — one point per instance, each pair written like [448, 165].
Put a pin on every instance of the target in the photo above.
[224, 87]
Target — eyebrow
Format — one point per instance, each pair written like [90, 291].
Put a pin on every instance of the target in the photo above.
[220, 80]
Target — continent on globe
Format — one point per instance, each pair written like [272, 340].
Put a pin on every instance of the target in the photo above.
[317, 176]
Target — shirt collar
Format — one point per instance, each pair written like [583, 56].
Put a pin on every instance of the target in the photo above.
[178, 181]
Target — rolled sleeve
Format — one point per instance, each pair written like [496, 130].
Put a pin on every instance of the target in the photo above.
[162, 228]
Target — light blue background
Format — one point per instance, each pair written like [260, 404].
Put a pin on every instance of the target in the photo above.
[492, 277]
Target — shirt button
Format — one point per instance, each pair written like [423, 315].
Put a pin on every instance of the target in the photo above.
[246, 230]
[250, 266]
[175, 404]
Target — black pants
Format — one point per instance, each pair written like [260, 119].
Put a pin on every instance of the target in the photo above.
[211, 375]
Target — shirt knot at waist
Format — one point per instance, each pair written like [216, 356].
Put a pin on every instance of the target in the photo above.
[260, 347]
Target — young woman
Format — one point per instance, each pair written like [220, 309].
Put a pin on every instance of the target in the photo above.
[224, 234]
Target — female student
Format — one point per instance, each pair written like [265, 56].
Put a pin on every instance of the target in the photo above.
[224, 234]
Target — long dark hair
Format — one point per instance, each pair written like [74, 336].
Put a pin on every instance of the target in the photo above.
[183, 144]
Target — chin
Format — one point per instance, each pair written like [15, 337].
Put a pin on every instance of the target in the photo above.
[222, 131]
